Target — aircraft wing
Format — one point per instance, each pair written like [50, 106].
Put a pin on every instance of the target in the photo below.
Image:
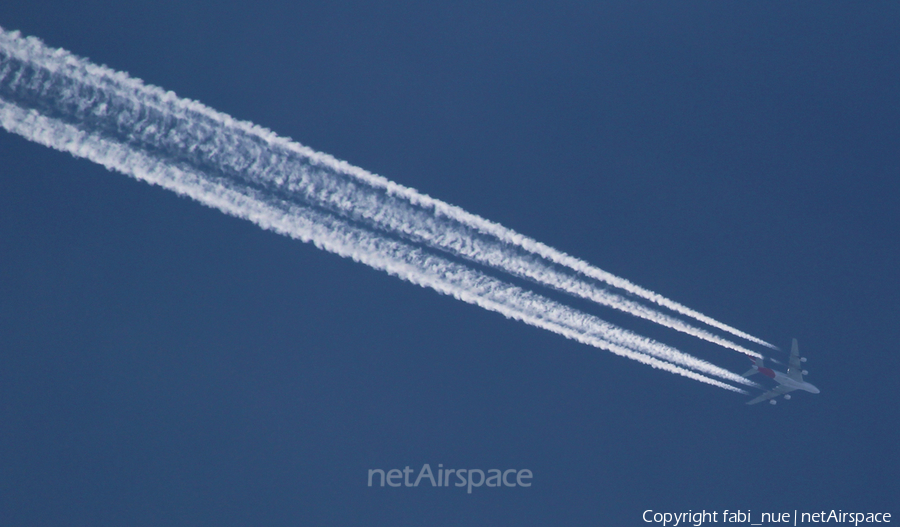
[795, 370]
[780, 390]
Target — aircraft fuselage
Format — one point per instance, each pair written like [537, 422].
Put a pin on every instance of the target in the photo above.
[782, 378]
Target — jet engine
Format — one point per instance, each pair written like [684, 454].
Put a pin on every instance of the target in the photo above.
[788, 397]
[805, 372]
[802, 359]
[772, 401]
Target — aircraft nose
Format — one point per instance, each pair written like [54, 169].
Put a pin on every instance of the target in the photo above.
[813, 389]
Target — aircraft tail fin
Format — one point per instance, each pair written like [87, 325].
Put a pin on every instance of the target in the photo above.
[757, 364]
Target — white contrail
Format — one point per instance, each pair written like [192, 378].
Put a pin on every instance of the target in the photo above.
[260, 156]
[339, 236]
[149, 143]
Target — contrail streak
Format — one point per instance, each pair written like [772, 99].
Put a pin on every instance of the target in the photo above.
[247, 151]
[101, 115]
[338, 236]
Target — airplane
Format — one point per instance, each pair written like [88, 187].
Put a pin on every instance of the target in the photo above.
[787, 382]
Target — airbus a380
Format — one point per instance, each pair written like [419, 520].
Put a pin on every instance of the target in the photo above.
[787, 382]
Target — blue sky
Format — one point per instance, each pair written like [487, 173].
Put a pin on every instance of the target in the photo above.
[162, 363]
